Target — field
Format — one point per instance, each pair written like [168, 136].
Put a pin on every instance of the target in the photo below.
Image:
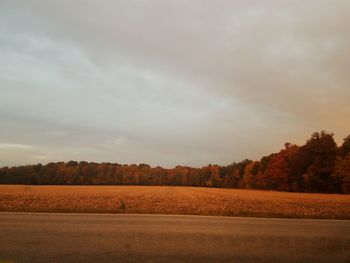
[173, 200]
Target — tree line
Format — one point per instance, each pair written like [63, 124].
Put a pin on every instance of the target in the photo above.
[317, 166]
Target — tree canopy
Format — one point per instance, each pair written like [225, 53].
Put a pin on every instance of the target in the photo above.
[317, 166]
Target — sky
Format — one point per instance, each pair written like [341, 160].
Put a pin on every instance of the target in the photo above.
[170, 82]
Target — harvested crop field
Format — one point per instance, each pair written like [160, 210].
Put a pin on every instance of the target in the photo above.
[173, 200]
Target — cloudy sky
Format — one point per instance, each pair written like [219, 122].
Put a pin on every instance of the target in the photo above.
[170, 82]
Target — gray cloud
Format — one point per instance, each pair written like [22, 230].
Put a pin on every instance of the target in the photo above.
[170, 82]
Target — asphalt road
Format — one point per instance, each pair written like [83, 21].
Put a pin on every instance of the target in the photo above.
[26, 237]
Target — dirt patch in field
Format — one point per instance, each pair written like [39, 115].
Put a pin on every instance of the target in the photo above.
[173, 200]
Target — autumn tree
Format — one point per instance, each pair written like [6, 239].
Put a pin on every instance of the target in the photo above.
[317, 166]
[344, 149]
[342, 167]
[228, 175]
[321, 156]
[250, 171]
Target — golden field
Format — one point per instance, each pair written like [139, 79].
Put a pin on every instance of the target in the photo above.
[173, 200]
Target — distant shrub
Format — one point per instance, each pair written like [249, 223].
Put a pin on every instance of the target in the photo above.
[122, 205]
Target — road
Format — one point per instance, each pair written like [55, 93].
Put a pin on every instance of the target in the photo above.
[30, 237]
